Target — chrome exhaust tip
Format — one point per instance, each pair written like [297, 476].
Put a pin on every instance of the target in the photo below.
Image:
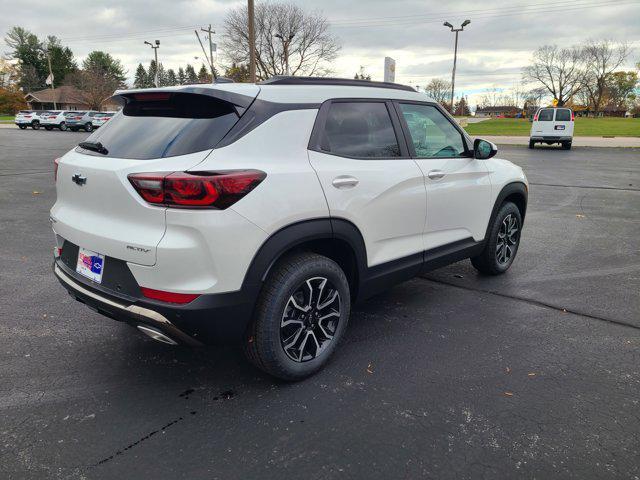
[156, 335]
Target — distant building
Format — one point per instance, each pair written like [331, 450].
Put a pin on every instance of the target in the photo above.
[498, 111]
[66, 97]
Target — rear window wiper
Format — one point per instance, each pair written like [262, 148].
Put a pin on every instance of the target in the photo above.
[95, 146]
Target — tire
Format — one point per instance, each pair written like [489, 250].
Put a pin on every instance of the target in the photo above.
[22, 127]
[62, 126]
[35, 125]
[566, 145]
[531, 143]
[292, 287]
[490, 261]
[47, 127]
[88, 127]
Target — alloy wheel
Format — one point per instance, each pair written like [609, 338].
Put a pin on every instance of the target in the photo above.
[508, 237]
[310, 319]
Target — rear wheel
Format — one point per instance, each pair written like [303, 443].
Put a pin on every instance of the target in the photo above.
[63, 127]
[88, 127]
[35, 125]
[22, 127]
[300, 317]
[502, 242]
[566, 145]
[531, 143]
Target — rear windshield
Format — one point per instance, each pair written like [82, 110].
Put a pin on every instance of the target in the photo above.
[563, 115]
[73, 113]
[158, 125]
[24, 111]
[545, 115]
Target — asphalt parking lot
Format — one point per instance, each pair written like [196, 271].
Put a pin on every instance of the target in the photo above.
[534, 374]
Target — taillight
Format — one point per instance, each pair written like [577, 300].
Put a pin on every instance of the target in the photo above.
[196, 190]
[535, 117]
[27, 116]
[573, 116]
[55, 169]
[169, 297]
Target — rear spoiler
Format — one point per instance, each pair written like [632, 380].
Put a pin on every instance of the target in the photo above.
[237, 99]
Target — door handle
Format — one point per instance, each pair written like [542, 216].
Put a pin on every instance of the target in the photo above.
[345, 181]
[435, 174]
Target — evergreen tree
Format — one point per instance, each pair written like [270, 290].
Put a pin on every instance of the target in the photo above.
[162, 76]
[182, 78]
[98, 61]
[141, 80]
[171, 78]
[151, 73]
[191, 75]
[237, 73]
[203, 75]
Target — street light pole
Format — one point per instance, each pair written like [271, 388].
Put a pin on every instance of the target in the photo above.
[455, 56]
[155, 51]
[285, 47]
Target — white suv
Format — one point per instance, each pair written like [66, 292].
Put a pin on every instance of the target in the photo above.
[259, 213]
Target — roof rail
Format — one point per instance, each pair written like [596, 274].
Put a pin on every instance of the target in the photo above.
[351, 82]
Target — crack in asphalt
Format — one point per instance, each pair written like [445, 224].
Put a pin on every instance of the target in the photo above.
[535, 302]
[586, 186]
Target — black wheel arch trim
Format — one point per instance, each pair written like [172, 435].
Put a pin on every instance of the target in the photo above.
[518, 188]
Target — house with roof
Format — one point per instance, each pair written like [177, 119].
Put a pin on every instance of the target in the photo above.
[65, 97]
[498, 111]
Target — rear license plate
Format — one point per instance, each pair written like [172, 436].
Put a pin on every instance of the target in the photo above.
[90, 264]
[559, 127]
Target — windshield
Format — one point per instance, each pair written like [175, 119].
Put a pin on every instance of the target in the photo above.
[158, 125]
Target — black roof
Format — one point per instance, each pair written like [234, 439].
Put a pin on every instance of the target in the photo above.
[285, 80]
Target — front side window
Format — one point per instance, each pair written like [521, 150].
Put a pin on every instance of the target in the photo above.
[360, 129]
[545, 115]
[563, 115]
[431, 132]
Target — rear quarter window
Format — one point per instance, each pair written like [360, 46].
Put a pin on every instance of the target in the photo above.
[563, 115]
[165, 125]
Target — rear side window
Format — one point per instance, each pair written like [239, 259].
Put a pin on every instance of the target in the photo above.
[545, 115]
[158, 125]
[563, 115]
[360, 129]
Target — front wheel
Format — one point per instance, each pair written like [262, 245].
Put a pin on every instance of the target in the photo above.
[300, 317]
[502, 242]
[88, 128]
[22, 127]
[531, 143]
[35, 125]
[63, 127]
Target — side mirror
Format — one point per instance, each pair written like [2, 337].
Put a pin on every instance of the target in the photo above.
[483, 149]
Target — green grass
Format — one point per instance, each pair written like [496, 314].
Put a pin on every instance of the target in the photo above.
[584, 127]
[6, 118]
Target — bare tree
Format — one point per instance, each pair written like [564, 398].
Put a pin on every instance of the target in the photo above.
[559, 70]
[303, 42]
[491, 98]
[439, 90]
[94, 85]
[601, 59]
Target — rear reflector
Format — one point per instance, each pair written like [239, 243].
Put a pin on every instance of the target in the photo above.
[152, 96]
[169, 297]
[196, 190]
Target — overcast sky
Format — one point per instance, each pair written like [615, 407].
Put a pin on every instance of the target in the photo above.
[492, 49]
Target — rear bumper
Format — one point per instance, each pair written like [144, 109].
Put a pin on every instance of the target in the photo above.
[551, 139]
[210, 319]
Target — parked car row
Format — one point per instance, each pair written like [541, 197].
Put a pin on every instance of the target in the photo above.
[62, 119]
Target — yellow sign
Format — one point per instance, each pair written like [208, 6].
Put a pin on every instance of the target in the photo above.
[555, 102]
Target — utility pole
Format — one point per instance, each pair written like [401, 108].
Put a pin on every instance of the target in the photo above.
[210, 32]
[53, 90]
[252, 42]
[285, 47]
[455, 55]
[155, 51]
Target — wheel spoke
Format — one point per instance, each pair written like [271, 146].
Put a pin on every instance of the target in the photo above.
[320, 290]
[293, 302]
[329, 301]
[291, 321]
[295, 340]
[302, 347]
